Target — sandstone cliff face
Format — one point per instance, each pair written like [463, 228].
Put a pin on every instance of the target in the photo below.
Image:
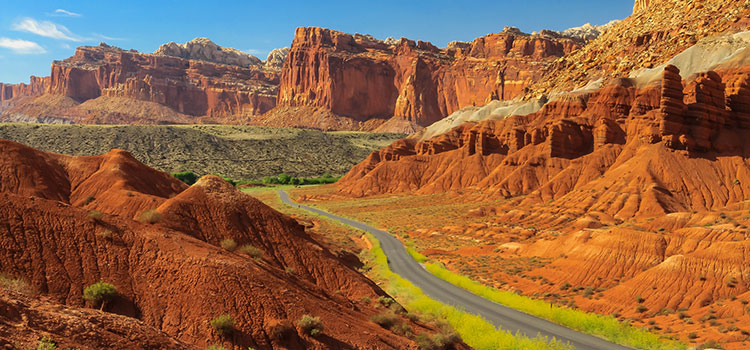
[203, 49]
[640, 5]
[543, 154]
[361, 78]
[198, 88]
[655, 32]
[36, 87]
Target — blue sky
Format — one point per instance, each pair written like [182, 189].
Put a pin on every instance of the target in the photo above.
[33, 33]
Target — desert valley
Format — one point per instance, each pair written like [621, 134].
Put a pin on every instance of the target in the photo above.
[585, 188]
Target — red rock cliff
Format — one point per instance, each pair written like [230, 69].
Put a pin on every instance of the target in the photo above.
[362, 78]
[35, 87]
[190, 87]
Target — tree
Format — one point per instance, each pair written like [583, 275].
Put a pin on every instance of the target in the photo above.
[187, 177]
[99, 293]
[284, 179]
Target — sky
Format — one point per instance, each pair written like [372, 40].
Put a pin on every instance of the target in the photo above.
[33, 33]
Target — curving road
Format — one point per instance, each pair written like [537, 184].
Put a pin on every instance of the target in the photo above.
[509, 319]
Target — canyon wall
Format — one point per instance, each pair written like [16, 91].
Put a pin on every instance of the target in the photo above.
[190, 87]
[35, 87]
[358, 77]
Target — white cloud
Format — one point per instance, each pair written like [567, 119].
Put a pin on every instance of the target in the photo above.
[21, 47]
[104, 37]
[45, 29]
[64, 13]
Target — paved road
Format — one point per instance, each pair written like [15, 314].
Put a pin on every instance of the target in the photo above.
[509, 319]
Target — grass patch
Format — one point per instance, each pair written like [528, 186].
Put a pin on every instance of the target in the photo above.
[417, 255]
[18, 285]
[150, 216]
[252, 251]
[605, 326]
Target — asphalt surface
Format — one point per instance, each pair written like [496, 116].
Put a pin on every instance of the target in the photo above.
[508, 319]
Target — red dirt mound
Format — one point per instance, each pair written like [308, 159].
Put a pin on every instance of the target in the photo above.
[25, 321]
[170, 274]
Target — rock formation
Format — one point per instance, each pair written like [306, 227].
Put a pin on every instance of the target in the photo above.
[36, 87]
[641, 5]
[68, 222]
[362, 78]
[276, 58]
[198, 88]
[203, 49]
[519, 155]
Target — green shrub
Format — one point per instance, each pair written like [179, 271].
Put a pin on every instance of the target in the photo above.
[224, 325]
[46, 344]
[99, 293]
[187, 177]
[310, 325]
[228, 244]
[386, 319]
[385, 301]
[216, 347]
[252, 251]
[95, 215]
[150, 216]
[641, 309]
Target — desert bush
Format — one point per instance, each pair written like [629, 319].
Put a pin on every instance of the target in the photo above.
[216, 347]
[310, 325]
[18, 285]
[252, 251]
[711, 344]
[99, 293]
[641, 309]
[228, 244]
[386, 319]
[46, 344]
[95, 215]
[289, 270]
[385, 301]
[224, 324]
[187, 177]
[150, 216]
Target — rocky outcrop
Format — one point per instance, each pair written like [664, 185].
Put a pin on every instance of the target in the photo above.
[36, 87]
[587, 31]
[640, 5]
[203, 49]
[68, 222]
[519, 155]
[220, 92]
[362, 78]
[276, 57]
[656, 32]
